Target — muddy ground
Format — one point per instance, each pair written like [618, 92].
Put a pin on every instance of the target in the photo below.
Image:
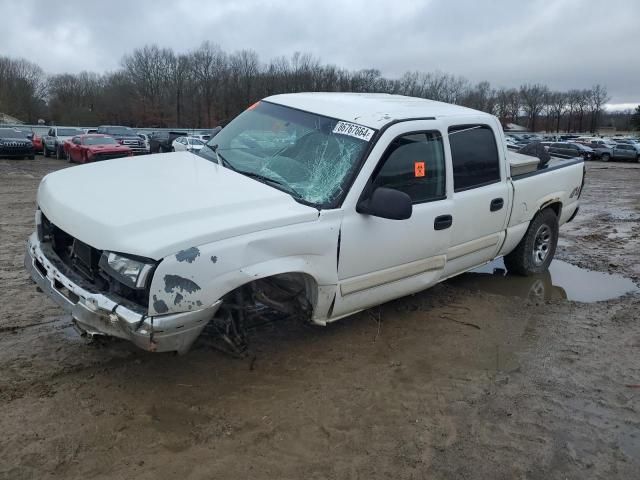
[461, 381]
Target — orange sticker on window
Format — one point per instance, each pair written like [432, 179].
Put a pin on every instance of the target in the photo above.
[419, 169]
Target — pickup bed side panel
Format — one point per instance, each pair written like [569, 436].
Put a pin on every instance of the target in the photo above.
[199, 276]
[532, 193]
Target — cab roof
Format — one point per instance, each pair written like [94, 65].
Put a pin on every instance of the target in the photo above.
[372, 110]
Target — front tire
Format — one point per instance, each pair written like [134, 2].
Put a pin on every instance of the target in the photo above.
[45, 152]
[58, 154]
[535, 251]
[605, 157]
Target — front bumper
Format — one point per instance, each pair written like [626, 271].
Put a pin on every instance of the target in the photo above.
[16, 152]
[98, 314]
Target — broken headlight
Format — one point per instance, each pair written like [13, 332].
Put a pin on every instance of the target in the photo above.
[134, 272]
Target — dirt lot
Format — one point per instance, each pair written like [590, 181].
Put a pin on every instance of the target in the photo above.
[456, 382]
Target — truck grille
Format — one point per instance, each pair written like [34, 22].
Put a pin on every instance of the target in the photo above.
[80, 257]
[84, 260]
[16, 147]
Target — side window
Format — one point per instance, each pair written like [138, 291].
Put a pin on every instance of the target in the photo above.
[474, 154]
[414, 164]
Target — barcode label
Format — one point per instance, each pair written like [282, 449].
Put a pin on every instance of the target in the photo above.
[353, 130]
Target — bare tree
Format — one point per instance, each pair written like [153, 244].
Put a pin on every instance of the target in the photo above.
[533, 98]
[159, 87]
[558, 102]
[597, 98]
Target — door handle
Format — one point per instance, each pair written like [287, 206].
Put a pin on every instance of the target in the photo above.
[442, 222]
[496, 204]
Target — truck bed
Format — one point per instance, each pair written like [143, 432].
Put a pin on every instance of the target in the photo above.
[554, 164]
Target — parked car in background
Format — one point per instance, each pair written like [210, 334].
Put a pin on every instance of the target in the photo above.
[206, 135]
[570, 150]
[125, 136]
[36, 140]
[53, 141]
[145, 138]
[203, 137]
[187, 144]
[15, 144]
[90, 130]
[93, 148]
[612, 151]
[596, 141]
[625, 141]
[512, 143]
[161, 142]
[623, 151]
[568, 136]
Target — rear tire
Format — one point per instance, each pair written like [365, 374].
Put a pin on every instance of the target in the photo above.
[535, 251]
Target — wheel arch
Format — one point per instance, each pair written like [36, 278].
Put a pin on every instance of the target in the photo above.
[553, 204]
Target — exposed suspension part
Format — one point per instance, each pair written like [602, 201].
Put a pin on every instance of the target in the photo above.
[261, 302]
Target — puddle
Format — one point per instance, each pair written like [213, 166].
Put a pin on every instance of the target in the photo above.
[562, 281]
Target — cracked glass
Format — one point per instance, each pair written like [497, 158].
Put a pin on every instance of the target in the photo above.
[298, 152]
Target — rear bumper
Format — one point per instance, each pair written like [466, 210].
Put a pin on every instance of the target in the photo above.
[98, 314]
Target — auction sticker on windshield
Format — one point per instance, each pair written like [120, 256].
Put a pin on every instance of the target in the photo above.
[353, 130]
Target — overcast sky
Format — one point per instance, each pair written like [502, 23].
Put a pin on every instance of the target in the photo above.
[562, 43]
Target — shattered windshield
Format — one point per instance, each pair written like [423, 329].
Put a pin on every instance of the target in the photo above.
[309, 156]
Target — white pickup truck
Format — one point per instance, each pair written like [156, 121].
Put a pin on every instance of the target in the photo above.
[317, 205]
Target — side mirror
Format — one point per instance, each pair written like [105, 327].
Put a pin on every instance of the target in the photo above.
[386, 203]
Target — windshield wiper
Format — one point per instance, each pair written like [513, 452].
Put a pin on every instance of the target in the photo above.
[262, 178]
[265, 179]
[219, 158]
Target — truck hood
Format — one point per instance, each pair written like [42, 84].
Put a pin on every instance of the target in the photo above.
[157, 205]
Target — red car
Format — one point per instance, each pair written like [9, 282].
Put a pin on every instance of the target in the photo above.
[37, 142]
[93, 148]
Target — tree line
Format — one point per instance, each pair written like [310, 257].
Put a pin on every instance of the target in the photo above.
[157, 87]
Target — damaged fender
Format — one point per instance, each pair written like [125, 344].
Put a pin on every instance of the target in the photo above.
[199, 276]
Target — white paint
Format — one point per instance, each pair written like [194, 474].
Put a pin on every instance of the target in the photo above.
[157, 205]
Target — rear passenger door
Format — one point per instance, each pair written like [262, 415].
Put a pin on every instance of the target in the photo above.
[481, 196]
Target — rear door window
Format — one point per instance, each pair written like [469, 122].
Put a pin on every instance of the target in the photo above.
[474, 154]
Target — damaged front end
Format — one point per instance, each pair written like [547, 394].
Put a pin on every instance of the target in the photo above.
[102, 294]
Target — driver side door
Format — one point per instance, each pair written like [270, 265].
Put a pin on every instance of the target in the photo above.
[382, 259]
